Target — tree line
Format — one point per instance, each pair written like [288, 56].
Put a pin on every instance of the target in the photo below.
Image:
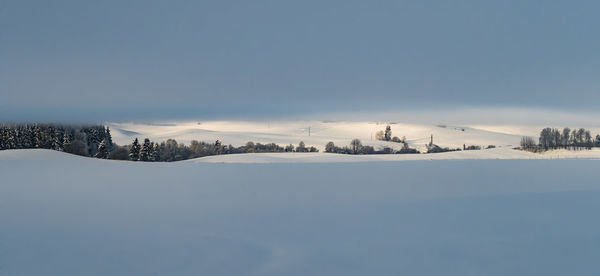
[96, 141]
[356, 147]
[553, 138]
[170, 150]
[83, 140]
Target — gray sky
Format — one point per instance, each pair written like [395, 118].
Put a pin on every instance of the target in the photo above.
[118, 60]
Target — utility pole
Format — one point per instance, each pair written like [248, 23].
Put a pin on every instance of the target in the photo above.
[309, 131]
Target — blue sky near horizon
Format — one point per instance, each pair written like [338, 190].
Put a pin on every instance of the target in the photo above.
[108, 60]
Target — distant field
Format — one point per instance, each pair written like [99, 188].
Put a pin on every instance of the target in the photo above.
[292, 132]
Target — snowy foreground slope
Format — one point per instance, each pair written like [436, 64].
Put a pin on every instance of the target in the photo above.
[67, 215]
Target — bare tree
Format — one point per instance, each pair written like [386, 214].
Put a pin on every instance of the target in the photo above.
[565, 137]
[527, 142]
[355, 146]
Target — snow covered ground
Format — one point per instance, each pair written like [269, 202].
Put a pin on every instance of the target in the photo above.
[237, 133]
[498, 153]
[341, 133]
[67, 215]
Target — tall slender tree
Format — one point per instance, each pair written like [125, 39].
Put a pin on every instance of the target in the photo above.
[155, 154]
[102, 151]
[134, 151]
[388, 133]
[146, 150]
[108, 138]
[566, 132]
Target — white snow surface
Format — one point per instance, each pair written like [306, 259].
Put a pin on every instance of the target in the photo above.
[498, 153]
[237, 133]
[341, 133]
[67, 215]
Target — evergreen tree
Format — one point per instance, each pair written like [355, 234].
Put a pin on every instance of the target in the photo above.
[289, 148]
[56, 140]
[102, 151]
[37, 137]
[146, 150]
[2, 138]
[134, 151]
[250, 146]
[17, 138]
[388, 133]
[27, 138]
[330, 147]
[108, 138]
[155, 154]
[66, 144]
[94, 138]
[218, 147]
[11, 139]
[301, 147]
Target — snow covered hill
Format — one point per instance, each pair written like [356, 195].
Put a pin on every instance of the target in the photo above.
[314, 133]
[237, 133]
[67, 215]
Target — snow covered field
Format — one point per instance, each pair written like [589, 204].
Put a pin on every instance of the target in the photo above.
[67, 215]
[321, 132]
[237, 133]
[499, 153]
